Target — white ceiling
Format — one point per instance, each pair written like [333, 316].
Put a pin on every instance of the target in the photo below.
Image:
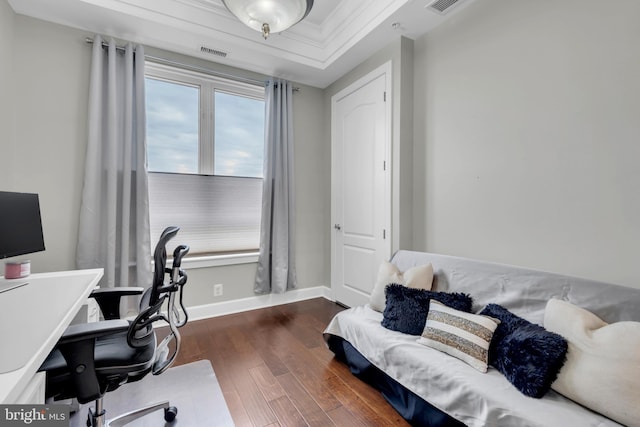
[335, 37]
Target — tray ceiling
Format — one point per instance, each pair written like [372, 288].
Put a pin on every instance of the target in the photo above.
[335, 37]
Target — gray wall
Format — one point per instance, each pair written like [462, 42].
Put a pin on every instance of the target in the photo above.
[46, 79]
[45, 153]
[7, 19]
[522, 147]
[527, 137]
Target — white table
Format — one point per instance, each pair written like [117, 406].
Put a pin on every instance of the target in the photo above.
[32, 320]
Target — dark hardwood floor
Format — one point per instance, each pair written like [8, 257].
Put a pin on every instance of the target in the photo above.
[275, 369]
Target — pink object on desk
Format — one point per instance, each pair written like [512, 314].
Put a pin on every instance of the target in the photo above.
[17, 269]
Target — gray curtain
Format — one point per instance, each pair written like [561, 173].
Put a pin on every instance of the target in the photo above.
[276, 264]
[114, 214]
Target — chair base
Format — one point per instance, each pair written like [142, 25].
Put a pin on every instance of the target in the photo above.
[97, 417]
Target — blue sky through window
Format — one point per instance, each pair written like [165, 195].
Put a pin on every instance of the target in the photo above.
[173, 130]
[172, 126]
[239, 135]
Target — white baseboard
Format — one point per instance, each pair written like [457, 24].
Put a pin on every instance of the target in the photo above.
[259, 301]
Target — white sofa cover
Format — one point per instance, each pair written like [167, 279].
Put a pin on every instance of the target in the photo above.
[472, 397]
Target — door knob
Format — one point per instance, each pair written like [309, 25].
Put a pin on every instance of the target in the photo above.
[337, 226]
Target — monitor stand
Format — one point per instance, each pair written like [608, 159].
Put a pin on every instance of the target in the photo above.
[7, 285]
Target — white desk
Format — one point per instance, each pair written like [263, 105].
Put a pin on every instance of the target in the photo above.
[32, 320]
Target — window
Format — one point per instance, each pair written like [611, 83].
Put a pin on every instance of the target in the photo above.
[173, 112]
[205, 148]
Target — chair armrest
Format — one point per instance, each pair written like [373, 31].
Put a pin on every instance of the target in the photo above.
[125, 290]
[77, 346]
[109, 299]
[90, 331]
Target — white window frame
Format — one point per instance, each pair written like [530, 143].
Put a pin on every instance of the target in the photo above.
[208, 85]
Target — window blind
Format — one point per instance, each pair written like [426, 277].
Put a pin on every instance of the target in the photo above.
[215, 213]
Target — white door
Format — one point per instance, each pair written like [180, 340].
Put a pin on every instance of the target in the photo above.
[360, 185]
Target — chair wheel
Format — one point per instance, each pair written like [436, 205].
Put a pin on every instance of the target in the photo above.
[170, 413]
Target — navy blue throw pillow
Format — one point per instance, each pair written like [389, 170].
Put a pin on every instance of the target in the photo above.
[528, 355]
[406, 308]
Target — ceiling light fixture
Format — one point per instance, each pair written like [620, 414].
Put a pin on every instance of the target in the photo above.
[269, 16]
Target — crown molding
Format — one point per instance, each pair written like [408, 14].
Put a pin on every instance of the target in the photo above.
[316, 51]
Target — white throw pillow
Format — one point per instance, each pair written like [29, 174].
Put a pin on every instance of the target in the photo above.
[602, 371]
[419, 277]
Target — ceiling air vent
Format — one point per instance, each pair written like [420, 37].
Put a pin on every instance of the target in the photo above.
[442, 6]
[210, 51]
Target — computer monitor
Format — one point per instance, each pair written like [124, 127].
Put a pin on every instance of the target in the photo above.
[20, 224]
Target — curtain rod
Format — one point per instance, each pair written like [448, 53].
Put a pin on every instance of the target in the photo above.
[164, 61]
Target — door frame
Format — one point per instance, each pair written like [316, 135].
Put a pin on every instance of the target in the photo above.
[383, 70]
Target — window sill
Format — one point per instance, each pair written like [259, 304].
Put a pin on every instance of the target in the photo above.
[218, 260]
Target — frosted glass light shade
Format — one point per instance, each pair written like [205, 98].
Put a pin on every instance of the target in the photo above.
[277, 14]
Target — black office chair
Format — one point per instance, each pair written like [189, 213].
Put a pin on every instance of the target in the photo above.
[95, 358]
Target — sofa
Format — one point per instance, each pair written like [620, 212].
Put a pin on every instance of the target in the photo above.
[564, 351]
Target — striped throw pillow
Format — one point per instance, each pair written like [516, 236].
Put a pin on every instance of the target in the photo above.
[462, 335]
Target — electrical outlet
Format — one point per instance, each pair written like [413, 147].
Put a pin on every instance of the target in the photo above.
[217, 290]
